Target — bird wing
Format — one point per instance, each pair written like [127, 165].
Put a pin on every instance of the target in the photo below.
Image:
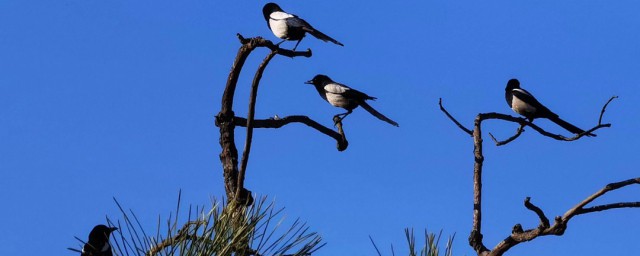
[337, 88]
[280, 15]
[525, 96]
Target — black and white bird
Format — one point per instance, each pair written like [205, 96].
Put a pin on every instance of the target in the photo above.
[98, 244]
[523, 103]
[289, 27]
[342, 96]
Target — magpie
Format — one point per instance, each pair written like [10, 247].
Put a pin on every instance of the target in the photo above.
[98, 244]
[523, 103]
[289, 27]
[342, 96]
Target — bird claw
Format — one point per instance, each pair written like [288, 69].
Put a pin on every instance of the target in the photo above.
[336, 119]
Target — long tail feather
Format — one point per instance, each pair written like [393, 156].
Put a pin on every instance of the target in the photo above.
[569, 127]
[377, 114]
[322, 36]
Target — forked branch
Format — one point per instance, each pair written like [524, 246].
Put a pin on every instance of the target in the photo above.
[560, 224]
[224, 119]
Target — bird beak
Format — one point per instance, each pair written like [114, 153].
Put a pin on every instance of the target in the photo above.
[309, 82]
[113, 229]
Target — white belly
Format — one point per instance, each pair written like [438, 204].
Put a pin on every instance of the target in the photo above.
[521, 107]
[279, 28]
[337, 100]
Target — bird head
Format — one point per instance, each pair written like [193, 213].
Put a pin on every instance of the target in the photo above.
[319, 80]
[269, 8]
[512, 84]
[100, 232]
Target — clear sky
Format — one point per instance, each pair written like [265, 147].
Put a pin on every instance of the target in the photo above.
[102, 99]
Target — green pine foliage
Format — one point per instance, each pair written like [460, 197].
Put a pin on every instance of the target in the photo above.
[221, 230]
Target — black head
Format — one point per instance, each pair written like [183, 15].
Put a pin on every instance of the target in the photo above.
[512, 84]
[269, 8]
[101, 232]
[319, 80]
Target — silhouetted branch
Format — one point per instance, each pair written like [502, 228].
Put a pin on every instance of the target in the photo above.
[604, 108]
[510, 139]
[261, 42]
[560, 224]
[604, 207]
[279, 122]
[524, 122]
[250, 116]
[453, 119]
[544, 221]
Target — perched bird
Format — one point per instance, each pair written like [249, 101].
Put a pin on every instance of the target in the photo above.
[342, 96]
[98, 244]
[289, 27]
[523, 103]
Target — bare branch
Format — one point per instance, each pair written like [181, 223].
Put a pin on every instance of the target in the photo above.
[250, 116]
[604, 108]
[279, 122]
[609, 187]
[560, 224]
[453, 119]
[261, 42]
[604, 207]
[475, 237]
[224, 119]
[519, 120]
[544, 221]
[510, 139]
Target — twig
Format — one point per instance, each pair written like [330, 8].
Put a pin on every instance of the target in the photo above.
[544, 221]
[510, 139]
[181, 235]
[277, 123]
[604, 108]
[453, 119]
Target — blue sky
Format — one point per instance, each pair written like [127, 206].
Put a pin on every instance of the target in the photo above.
[102, 99]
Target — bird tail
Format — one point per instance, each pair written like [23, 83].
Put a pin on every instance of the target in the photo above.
[322, 36]
[377, 114]
[569, 127]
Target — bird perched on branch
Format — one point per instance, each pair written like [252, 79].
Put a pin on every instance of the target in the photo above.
[98, 244]
[289, 27]
[523, 103]
[342, 96]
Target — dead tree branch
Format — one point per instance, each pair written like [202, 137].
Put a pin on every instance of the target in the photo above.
[465, 129]
[560, 224]
[224, 119]
[524, 122]
[250, 116]
[339, 136]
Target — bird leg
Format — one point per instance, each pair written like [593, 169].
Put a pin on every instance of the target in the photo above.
[278, 44]
[340, 117]
[294, 48]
